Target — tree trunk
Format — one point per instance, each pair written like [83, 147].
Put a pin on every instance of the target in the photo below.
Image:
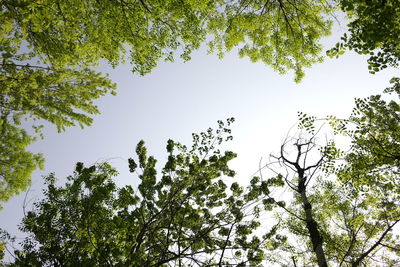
[311, 224]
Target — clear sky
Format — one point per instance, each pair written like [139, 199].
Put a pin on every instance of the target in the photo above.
[179, 98]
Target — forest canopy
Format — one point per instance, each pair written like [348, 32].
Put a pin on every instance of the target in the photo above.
[50, 51]
[325, 205]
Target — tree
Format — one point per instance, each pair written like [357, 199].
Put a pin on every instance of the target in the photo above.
[16, 164]
[374, 28]
[187, 217]
[331, 206]
[284, 34]
[47, 90]
[63, 97]
[372, 169]
[345, 205]
[48, 49]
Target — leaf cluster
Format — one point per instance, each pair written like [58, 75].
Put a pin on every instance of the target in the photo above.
[187, 216]
[374, 28]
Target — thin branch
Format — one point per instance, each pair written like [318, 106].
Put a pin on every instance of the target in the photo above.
[377, 243]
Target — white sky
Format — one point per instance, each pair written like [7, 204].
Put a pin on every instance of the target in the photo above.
[178, 98]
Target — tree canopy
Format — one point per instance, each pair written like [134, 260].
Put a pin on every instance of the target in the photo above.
[16, 164]
[283, 34]
[188, 215]
[355, 197]
[343, 204]
[48, 50]
[373, 30]
[317, 205]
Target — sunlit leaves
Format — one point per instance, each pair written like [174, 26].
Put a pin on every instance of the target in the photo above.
[63, 97]
[374, 28]
[188, 215]
[48, 48]
[16, 164]
[357, 203]
[282, 34]
[306, 122]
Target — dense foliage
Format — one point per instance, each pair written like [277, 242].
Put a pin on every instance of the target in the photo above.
[311, 204]
[352, 195]
[373, 30]
[16, 164]
[189, 215]
[284, 34]
[48, 50]
[326, 206]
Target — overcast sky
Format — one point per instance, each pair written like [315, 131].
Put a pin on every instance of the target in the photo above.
[179, 98]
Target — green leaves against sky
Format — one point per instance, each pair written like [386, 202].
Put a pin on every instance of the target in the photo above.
[341, 209]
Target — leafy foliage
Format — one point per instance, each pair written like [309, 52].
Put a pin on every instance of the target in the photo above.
[186, 217]
[355, 196]
[190, 215]
[62, 97]
[371, 171]
[16, 164]
[84, 32]
[331, 207]
[282, 34]
[48, 49]
[49, 90]
[374, 28]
